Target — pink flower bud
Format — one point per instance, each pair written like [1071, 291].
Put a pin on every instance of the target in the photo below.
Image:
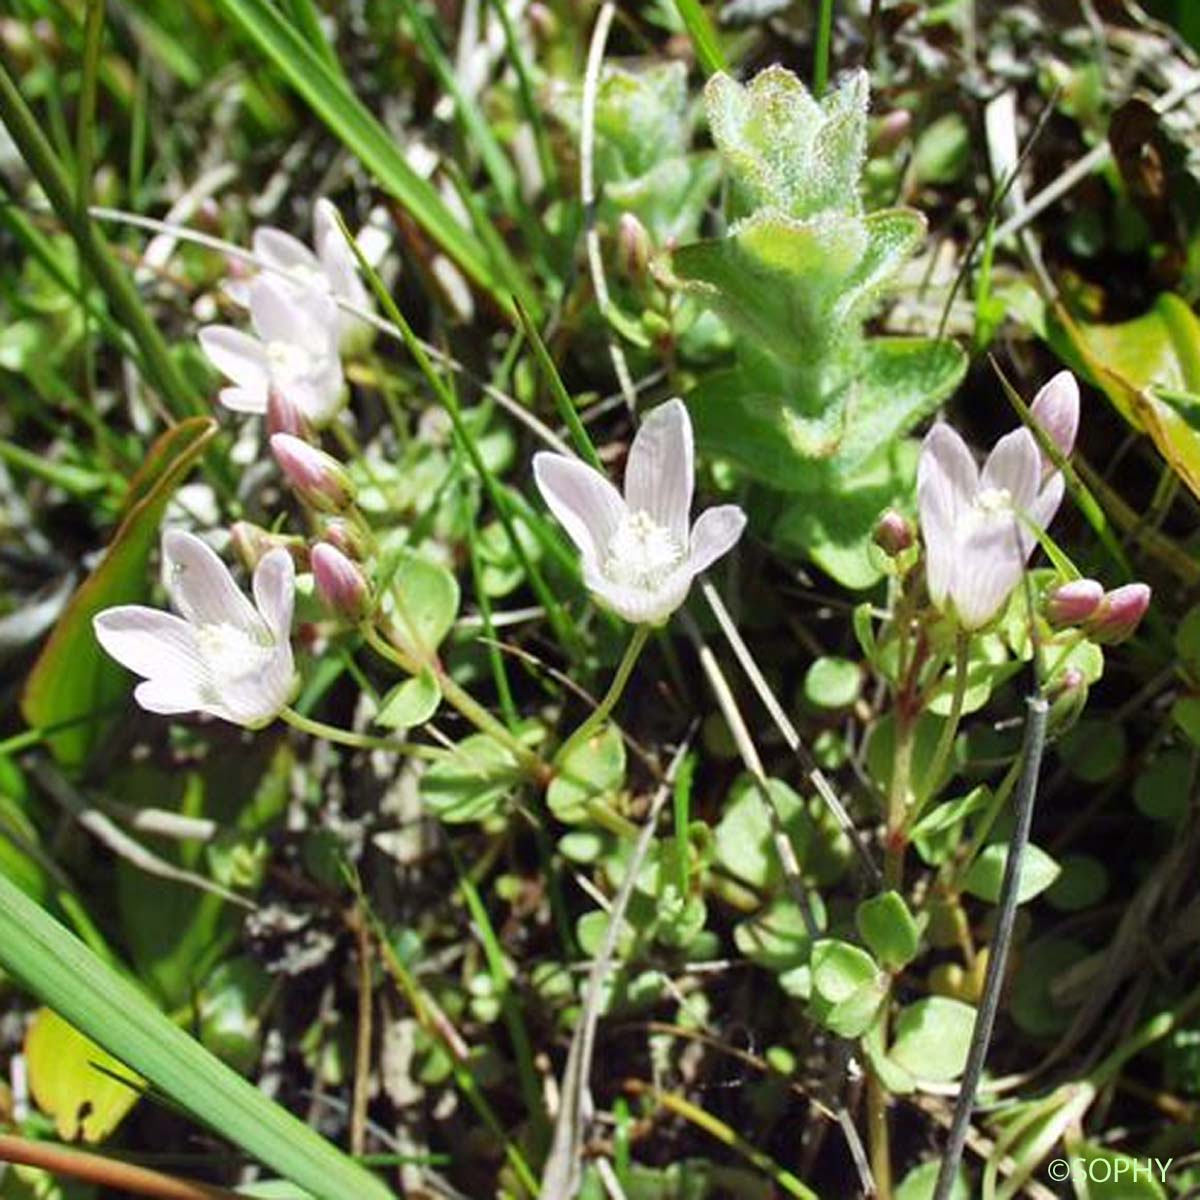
[890, 130]
[339, 583]
[252, 543]
[633, 247]
[284, 416]
[1056, 409]
[347, 537]
[1119, 614]
[1073, 603]
[893, 532]
[317, 478]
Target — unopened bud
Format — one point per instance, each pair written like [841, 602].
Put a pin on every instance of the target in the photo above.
[893, 532]
[347, 537]
[542, 21]
[633, 247]
[251, 543]
[317, 478]
[1068, 697]
[339, 583]
[890, 130]
[284, 416]
[1118, 614]
[1073, 603]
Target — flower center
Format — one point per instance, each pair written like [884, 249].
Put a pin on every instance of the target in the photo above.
[231, 653]
[288, 363]
[994, 500]
[641, 553]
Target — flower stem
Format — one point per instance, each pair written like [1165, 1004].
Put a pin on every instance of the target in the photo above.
[360, 741]
[941, 754]
[616, 689]
[461, 700]
[877, 1136]
[898, 801]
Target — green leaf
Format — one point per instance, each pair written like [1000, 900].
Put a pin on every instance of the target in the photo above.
[943, 151]
[1034, 1005]
[847, 987]
[1082, 883]
[472, 783]
[1112, 1175]
[938, 831]
[888, 929]
[411, 702]
[742, 841]
[786, 150]
[776, 937]
[422, 598]
[61, 972]
[75, 1081]
[594, 769]
[73, 678]
[920, 1182]
[832, 682]
[328, 95]
[984, 879]
[932, 1038]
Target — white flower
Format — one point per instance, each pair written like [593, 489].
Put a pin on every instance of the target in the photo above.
[222, 655]
[295, 352]
[639, 555]
[978, 527]
[332, 269]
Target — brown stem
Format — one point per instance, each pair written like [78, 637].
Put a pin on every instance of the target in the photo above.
[105, 1172]
[362, 1052]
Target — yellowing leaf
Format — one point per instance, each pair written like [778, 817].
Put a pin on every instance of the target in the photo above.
[1160, 349]
[72, 1080]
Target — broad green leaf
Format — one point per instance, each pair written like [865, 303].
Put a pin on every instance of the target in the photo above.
[1112, 1175]
[776, 937]
[422, 599]
[594, 769]
[72, 1080]
[411, 702]
[847, 987]
[102, 1005]
[1083, 881]
[932, 1038]
[472, 783]
[1033, 1004]
[986, 876]
[331, 99]
[943, 150]
[230, 1007]
[742, 842]
[832, 682]
[888, 929]
[937, 832]
[73, 678]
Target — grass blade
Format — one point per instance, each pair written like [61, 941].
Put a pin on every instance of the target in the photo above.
[704, 37]
[64, 974]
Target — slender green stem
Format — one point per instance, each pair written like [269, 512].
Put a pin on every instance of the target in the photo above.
[821, 52]
[614, 693]
[359, 741]
[941, 754]
[462, 701]
[878, 1137]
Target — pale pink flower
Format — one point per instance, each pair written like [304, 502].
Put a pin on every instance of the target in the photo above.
[1073, 602]
[330, 267]
[221, 654]
[1119, 614]
[317, 478]
[640, 552]
[293, 351]
[339, 582]
[978, 527]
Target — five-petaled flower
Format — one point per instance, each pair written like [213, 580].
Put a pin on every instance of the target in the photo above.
[640, 552]
[978, 527]
[329, 268]
[295, 353]
[221, 655]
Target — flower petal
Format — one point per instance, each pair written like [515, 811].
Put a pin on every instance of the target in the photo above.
[289, 313]
[201, 586]
[992, 560]
[1056, 409]
[660, 474]
[337, 259]
[237, 355]
[639, 606]
[283, 251]
[256, 700]
[947, 482]
[714, 534]
[153, 644]
[244, 400]
[275, 592]
[1014, 465]
[170, 696]
[587, 506]
[1041, 512]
